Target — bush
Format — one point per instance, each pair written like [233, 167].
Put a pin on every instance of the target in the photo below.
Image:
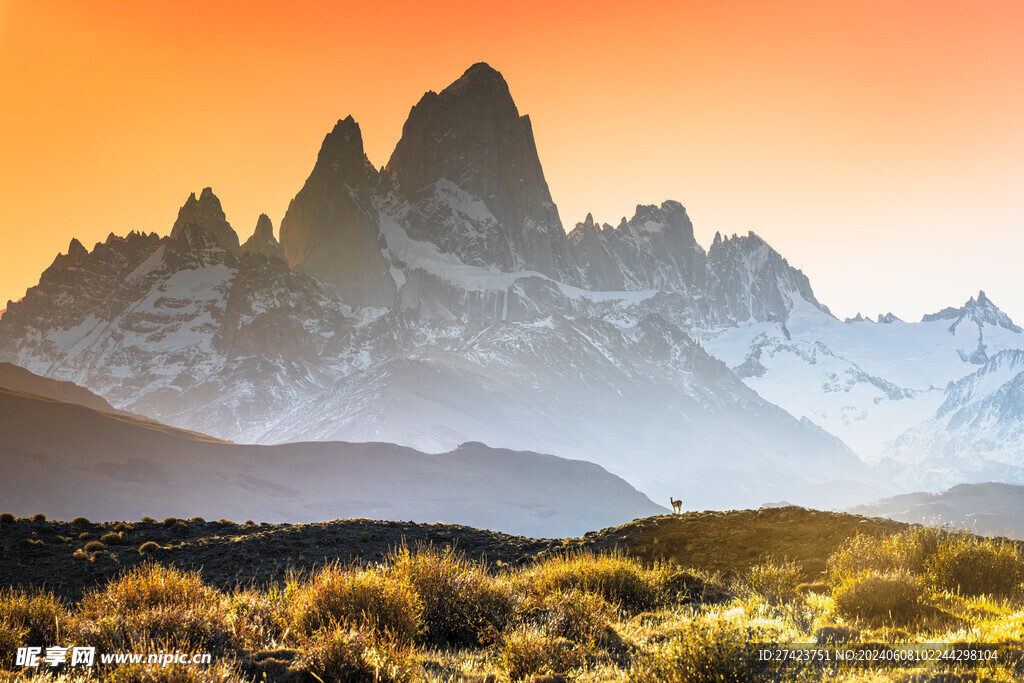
[7, 518]
[257, 618]
[30, 618]
[462, 604]
[354, 599]
[85, 535]
[976, 567]
[159, 604]
[148, 520]
[39, 517]
[197, 520]
[339, 655]
[774, 581]
[528, 651]
[880, 598]
[148, 547]
[112, 538]
[170, 521]
[81, 520]
[577, 616]
[94, 547]
[907, 551]
[710, 653]
[620, 580]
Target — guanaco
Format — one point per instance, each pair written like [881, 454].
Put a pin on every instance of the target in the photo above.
[677, 505]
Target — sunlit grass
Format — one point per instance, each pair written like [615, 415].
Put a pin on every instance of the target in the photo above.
[432, 615]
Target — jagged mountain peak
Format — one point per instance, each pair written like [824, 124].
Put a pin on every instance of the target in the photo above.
[480, 80]
[471, 135]
[206, 213]
[342, 154]
[262, 240]
[980, 310]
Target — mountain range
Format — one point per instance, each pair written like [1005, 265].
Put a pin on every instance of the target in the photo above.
[439, 300]
[72, 460]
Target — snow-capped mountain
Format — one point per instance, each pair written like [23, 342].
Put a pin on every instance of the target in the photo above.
[977, 434]
[869, 382]
[438, 301]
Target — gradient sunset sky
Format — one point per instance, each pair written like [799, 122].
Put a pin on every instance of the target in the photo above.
[878, 144]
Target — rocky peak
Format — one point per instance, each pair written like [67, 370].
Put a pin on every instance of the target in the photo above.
[341, 155]
[76, 253]
[263, 241]
[206, 213]
[980, 311]
[471, 134]
[331, 229]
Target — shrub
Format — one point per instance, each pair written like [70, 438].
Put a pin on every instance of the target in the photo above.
[11, 638]
[578, 616]
[361, 599]
[339, 655]
[112, 538]
[161, 604]
[774, 581]
[889, 597]
[7, 518]
[257, 618]
[34, 617]
[33, 542]
[709, 653]
[527, 651]
[39, 517]
[148, 520]
[462, 604]
[620, 580]
[148, 547]
[197, 520]
[225, 522]
[170, 521]
[976, 567]
[85, 535]
[94, 547]
[81, 520]
[80, 555]
[907, 551]
[249, 522]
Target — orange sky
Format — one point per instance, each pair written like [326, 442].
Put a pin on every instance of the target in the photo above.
[877, 144]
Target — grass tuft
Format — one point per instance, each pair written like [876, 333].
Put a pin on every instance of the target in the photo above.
[462, 604]
[340, 655]
[337, 596]
[620, 580]
[892, 597]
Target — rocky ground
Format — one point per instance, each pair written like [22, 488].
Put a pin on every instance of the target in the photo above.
[52, 554]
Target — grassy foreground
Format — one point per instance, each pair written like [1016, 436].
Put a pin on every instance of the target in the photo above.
[430, 614]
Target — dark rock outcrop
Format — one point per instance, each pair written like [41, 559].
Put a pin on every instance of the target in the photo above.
[331, 229]
[263, 240]
[206, 213]
[472, 135]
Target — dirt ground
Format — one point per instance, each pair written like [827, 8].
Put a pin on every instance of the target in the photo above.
[43, 553]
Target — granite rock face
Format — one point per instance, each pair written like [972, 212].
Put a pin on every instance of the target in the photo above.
[471, 138]
[331, 229]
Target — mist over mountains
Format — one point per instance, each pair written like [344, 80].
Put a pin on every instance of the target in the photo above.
[439, 300]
